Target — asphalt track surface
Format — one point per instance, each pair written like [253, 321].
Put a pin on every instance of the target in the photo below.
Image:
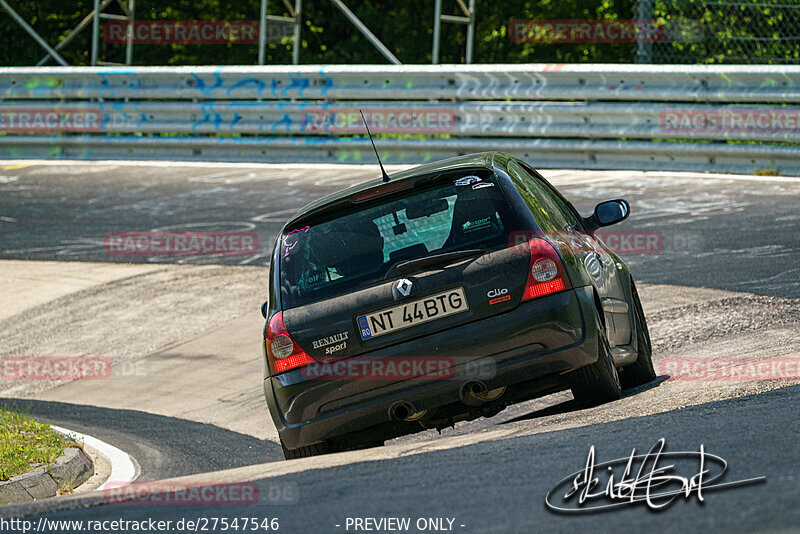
[724, 282]
[733, 234]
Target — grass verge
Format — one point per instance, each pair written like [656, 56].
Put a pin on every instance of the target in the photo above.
[26, 444]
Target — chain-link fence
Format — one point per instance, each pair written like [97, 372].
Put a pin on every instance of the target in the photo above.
[722, 31]
[210, 32]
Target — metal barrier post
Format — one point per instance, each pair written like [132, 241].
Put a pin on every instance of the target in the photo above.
[644, 50]
[298, 23]
[131, 22]
[262, 32]
[95, 31]
[470, 32]
[437, 28]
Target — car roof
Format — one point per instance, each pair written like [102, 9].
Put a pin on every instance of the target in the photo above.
[482, 159]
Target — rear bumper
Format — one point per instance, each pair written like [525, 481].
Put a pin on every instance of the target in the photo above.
[544, 337]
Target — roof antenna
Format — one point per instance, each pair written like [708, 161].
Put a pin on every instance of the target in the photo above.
[383, 171]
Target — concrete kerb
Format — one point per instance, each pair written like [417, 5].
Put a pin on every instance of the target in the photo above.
[70, 470]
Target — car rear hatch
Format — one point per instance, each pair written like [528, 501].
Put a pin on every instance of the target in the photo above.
[374, 272]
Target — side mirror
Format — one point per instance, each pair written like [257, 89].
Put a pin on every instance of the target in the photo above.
[610, 212]
[264, 309]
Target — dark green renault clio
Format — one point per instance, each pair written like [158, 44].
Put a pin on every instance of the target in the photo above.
[445, 294]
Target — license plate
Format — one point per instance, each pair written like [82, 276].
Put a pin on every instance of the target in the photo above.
[412, 313]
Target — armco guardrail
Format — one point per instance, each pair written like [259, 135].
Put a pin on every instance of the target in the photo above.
[588, 116]
[412, 82]
[510, 119]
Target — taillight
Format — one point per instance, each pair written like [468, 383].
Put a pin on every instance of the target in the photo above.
[284, 353]
[546, 274]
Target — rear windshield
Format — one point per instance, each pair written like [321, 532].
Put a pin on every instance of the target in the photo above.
[358, 249]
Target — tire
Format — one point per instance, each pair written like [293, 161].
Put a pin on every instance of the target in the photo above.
[599, 382]
[327, 447]
[315, 449]
[641, 371]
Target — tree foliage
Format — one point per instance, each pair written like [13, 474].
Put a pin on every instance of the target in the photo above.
[405, 26]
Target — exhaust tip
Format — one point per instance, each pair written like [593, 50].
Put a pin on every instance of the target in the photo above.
[474, 393]
[473, 388]
[402, 410]
[477, 388]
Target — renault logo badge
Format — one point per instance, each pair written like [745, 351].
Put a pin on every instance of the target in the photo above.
[402, 288]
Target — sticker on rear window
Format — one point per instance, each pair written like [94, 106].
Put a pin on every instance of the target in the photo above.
[289, 246]
[471, 226]
[481, 185]
[467, 180]
[316, 278]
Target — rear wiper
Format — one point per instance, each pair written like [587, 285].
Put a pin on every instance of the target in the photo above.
[428, 261]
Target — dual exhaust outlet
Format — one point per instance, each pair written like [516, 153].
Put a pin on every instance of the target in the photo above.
[472, 393]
